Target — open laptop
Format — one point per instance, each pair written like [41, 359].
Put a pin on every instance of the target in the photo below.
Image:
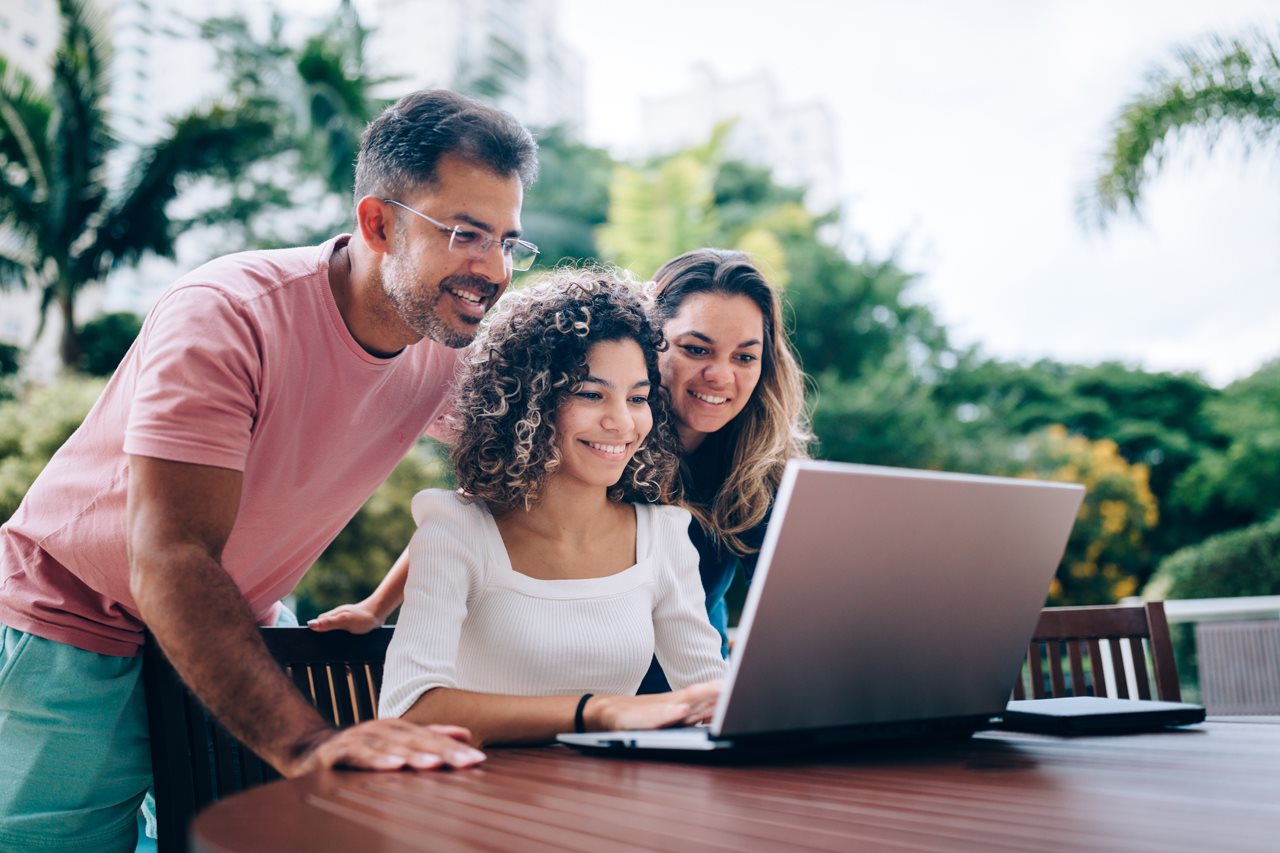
[886, 603]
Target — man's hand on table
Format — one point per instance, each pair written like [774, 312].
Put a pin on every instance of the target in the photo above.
[389, 745]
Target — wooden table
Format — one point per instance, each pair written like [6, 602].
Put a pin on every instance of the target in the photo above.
[1214, 787]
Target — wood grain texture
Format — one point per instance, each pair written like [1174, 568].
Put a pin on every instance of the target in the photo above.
[1211, 787]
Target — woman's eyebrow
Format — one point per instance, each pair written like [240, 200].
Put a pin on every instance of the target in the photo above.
[753, 342]
[643, 383]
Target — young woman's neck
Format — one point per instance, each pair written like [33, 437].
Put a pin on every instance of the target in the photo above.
[568, 510]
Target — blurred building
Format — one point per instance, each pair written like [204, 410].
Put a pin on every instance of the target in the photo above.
[28, 32]
[796, 141]
[508, 52]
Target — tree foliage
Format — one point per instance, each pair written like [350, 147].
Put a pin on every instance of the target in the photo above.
[1245, 561]
[354, 563]
[1106, 557]
[62, 226]
[105, 340]
[1211, 86]
[33, 427]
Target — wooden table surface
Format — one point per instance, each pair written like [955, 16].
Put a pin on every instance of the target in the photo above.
[1213, 787]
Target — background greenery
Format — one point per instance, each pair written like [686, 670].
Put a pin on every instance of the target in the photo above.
[1170, 462]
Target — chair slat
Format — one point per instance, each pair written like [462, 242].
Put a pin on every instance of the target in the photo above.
[1117, 666]
[324, 692]
[366, 698]
[1140, 668]
[1077, 669]
[1059, 687]
[1037, 670]
[343, 700]
[1097, 670]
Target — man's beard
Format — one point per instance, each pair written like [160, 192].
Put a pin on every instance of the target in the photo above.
[419, 307]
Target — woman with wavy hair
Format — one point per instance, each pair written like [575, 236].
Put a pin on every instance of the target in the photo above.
[737, 398]
[539, 592]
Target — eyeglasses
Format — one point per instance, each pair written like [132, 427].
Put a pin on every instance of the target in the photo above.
[518, 255]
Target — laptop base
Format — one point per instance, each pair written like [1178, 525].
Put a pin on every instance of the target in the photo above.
[763, 747]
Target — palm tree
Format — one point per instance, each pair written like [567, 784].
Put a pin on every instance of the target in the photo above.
[1214, 85]
[62, 227]
[319, 97]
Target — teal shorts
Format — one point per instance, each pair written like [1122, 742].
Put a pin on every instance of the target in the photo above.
[74, 749]
[73, 745]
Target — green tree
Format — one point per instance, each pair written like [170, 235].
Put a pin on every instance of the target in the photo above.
[33, 427]
[105, 340]
[62, 227]
[357, 560]
[317, 98]
[1106, 557]
[1211, 86]
[1238, 483]
[570, 199]
[1155, 419]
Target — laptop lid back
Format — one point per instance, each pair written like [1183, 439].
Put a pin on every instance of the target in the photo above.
[889, 595]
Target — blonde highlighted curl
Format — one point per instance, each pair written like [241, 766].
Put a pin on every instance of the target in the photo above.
[529, 356]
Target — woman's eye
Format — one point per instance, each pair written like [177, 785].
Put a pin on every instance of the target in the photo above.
[695, 350]
[746, 358]
[588, 395]
[640, 401]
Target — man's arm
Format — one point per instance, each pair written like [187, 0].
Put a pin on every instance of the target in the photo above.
[179, 518]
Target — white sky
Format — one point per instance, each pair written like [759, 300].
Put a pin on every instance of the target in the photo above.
[966, 131]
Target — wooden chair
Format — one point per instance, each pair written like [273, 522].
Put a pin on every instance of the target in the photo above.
[1239, 666]
[1079, 635]
[193, 758]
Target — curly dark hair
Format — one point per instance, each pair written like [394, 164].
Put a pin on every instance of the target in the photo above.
[531, 354]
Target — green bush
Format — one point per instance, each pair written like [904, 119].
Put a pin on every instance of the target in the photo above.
[1242, 562]
[355, 562]
[34, 427]
[105, 340]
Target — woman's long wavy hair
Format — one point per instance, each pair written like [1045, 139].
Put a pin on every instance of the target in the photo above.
[773, 427]
[530, 355]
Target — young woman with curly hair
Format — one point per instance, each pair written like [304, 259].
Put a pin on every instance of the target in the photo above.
[539, 592]
[737, 401]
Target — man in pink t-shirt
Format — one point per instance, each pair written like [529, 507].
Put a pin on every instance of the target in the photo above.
[267, 396]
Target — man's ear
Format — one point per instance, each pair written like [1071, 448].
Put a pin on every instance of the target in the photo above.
[375, 223]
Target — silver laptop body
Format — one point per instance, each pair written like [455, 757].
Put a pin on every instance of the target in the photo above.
[887, 602]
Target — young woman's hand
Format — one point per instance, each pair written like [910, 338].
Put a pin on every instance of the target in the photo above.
[686, 707]
[358, 618]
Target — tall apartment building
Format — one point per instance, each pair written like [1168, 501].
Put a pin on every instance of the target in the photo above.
[425, 43]
[796, 141]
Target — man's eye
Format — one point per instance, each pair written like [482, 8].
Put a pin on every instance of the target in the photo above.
[466, 238]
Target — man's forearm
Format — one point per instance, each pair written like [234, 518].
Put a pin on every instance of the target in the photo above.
[209, 635]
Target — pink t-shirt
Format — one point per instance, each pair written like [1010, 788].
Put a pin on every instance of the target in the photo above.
[245, 364]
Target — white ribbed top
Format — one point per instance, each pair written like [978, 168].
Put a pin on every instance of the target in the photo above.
[472, 622]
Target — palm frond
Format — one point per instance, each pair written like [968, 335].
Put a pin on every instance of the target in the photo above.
[17, 258]
[1214, 85]
[25, 113]
[78, 134]
[219, 141]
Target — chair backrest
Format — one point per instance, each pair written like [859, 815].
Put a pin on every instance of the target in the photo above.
[1239, 666]
[193, 758]
[1077, 651]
